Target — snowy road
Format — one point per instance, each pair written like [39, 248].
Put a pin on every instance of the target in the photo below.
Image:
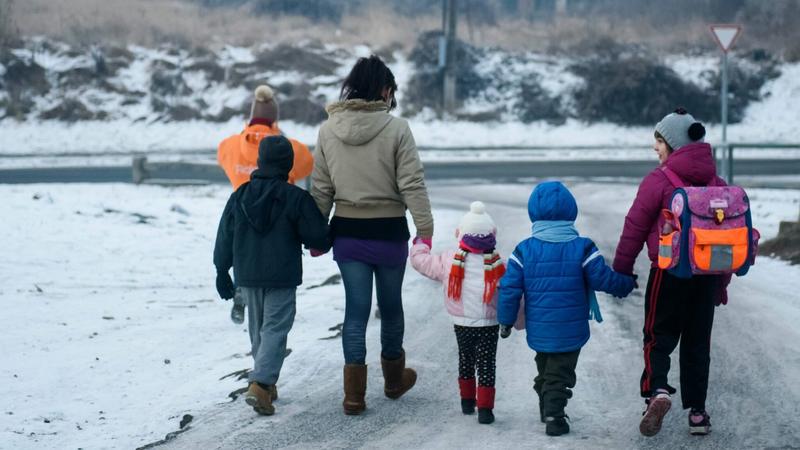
[753, 398]
[115, 333]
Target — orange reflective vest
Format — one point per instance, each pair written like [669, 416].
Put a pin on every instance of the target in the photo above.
[238, 155]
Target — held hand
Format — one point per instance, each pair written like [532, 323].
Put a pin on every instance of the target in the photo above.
[427, 241]
[505, 331]
[225, 287]
[633, 285]
[721, 297]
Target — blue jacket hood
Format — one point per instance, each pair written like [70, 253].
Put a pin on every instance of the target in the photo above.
[552, 200]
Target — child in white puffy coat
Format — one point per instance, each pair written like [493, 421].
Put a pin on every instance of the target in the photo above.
[470, 275]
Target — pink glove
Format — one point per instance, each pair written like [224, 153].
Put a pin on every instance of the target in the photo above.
[314, 252]
[426, 241]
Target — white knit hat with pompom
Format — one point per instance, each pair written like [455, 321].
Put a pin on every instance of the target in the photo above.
[477, 221]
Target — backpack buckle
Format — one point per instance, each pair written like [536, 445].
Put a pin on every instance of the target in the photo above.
[719, 216]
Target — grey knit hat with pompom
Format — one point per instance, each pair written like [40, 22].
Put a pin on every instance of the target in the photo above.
[679, 129]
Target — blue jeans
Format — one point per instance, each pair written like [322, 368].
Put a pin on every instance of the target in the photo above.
[357, 278]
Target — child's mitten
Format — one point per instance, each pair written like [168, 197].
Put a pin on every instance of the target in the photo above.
[225, 287]
[505, 331]
[630, 285]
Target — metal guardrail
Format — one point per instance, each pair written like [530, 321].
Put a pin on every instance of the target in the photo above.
[530, 147]
[725, 164]
[725, 160]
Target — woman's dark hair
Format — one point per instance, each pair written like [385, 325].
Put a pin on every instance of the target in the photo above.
[367, 81]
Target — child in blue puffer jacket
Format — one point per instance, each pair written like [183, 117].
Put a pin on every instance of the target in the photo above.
[557, 271]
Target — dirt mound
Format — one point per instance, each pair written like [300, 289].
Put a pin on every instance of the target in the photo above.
[302, 110]
[209, 66]
[425, 87]
[299, 59]
[169, 93]
[24, 80]
[228, 113]
[71, 110]
[635, 89]
[109, 60]
[537, 104]
[786, 246]
[166, 80]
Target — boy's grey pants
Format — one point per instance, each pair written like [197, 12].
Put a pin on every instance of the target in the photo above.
[270, 315]
[237, 297]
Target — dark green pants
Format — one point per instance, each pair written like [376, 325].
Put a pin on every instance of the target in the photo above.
[555, 380]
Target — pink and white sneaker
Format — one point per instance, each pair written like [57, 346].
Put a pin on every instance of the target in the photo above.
[657, 407]
[699, 422]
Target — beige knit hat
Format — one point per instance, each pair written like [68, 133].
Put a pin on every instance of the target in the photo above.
[265, 105]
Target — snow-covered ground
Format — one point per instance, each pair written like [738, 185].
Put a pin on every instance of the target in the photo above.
[113, 332]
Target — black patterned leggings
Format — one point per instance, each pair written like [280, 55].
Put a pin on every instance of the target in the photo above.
[477, 351]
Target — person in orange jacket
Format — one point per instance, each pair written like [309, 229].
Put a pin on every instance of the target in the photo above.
[238, 156]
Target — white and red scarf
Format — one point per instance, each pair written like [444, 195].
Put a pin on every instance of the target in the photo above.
[493, 270]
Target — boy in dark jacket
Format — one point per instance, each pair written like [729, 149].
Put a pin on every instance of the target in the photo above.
[558, 271]
[263, 226]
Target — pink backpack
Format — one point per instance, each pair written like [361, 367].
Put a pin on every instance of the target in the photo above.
[707, 231]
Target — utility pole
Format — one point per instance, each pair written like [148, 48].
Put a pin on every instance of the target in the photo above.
[449, 20]
[561, 8]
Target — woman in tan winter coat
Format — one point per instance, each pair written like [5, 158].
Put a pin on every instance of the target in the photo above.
[367, 165]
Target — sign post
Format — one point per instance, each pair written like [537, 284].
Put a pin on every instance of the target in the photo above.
[725, 35]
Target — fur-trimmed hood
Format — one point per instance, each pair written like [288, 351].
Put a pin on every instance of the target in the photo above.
[357, 121]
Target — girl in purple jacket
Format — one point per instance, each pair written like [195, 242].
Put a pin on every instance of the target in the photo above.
[675, 309]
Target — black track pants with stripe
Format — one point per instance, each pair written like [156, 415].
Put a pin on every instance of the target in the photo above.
[678, 309]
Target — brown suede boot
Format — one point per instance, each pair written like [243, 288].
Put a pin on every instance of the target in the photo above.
[260, 399]
[397, 378]
[355, 387]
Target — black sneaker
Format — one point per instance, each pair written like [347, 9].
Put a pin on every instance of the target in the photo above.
[237, 314]
[468, 405]
[699, 422]
[485, 415]
[556, 426]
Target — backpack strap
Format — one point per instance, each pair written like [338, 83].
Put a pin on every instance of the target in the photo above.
[673, 177]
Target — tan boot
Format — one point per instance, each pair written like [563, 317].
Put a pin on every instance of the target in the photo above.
[397, 378]
[355, 387]
[260, 399]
